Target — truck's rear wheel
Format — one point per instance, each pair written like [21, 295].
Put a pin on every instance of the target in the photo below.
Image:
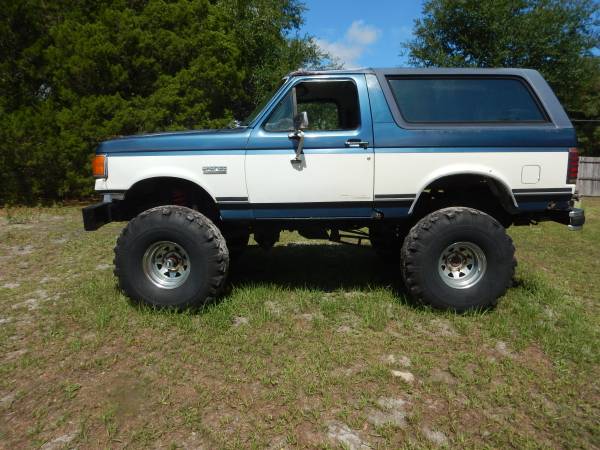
[171, 256]
[459, 259]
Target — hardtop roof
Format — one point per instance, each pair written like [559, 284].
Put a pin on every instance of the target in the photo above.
[414, 71]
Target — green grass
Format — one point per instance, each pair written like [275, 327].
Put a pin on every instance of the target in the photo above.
[298, 348]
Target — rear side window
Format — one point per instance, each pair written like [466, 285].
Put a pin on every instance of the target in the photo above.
[465, 100]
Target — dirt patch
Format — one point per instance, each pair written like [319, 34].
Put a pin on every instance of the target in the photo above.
[502, 349]
[402, 361]
[443, 328]
[390, 411]
[533, 356]
[407, 377]
[340, 433]
[239, 321]
[308, 436]
[59, 442]
[7, 400]
[273, 307]
[442, 376]
[435, 437]
[22, 250]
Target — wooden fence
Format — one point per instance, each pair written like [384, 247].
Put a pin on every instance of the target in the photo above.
[588, 181]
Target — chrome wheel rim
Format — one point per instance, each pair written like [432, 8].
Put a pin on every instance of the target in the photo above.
[462, 265]
[166, 264]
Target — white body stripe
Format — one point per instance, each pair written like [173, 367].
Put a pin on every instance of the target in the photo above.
[337, 177]
[331, 177]
[125, 171]
[407, 173]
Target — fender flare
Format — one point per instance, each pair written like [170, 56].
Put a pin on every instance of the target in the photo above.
[150, 176]
[482, 171]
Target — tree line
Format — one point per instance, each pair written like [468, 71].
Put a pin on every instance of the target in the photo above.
[560, 38]
[75, 72]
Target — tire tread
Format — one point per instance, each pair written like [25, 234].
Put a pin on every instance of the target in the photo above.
[424, 230]
[186, 217]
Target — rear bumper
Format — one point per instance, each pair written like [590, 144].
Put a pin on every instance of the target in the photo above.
[95, 216]
[576, 219]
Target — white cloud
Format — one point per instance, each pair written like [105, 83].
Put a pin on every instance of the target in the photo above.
[347, 51]
[361, 33]
[340, 52]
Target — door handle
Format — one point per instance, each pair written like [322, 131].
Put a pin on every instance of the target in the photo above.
[356, 143]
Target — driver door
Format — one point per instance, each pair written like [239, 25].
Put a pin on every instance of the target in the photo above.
[333, 176]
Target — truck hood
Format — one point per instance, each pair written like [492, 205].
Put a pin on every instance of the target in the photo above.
[179, 141]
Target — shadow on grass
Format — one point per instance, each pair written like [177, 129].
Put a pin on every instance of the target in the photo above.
[322, 267]
[316, 266]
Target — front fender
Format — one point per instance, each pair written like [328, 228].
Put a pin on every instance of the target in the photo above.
[127, 170]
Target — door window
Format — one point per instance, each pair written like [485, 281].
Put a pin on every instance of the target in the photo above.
[330, 106]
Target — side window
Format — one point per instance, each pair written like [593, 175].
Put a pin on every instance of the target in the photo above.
[321, 115]
[330, 105]
[465, 100]
[281, 119]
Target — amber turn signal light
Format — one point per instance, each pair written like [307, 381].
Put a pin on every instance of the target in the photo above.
[99, 166]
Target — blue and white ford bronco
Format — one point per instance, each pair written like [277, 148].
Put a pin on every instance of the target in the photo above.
[435, 163]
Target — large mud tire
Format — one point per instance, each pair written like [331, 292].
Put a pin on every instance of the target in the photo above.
[171, 256]
[458, 259]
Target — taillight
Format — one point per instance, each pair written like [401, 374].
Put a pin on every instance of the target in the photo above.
[99, 166]
[572, 166]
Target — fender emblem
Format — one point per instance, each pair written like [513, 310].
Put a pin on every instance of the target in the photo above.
[214, 170]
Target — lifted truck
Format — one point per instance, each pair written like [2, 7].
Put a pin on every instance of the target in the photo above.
[436, 163]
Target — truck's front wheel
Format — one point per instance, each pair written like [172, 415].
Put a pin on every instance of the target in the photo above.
[171, 256]
[459, 259]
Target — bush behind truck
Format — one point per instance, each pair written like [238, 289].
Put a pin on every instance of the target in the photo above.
[436, 163]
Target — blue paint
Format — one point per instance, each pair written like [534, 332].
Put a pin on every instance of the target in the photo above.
[332, 151]
[471, 150]
[533, 206]
[333, 211]
[390, 135]
[171, 143]
[316, 141]
[380, 110]
[309, 151]
[394, 212]
[316, 213]
[179, 153]
[379, 126]
[236, 214]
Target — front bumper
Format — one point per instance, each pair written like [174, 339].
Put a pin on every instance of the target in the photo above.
[95, 216]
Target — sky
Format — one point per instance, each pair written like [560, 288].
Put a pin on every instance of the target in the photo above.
[362, 33]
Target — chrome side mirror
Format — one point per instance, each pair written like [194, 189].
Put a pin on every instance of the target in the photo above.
[301, 121]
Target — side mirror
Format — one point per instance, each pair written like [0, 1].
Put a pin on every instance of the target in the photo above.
[301, 121]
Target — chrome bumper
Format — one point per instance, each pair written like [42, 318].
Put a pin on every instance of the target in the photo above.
[576, 219]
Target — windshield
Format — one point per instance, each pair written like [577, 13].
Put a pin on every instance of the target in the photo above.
[261, 105]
